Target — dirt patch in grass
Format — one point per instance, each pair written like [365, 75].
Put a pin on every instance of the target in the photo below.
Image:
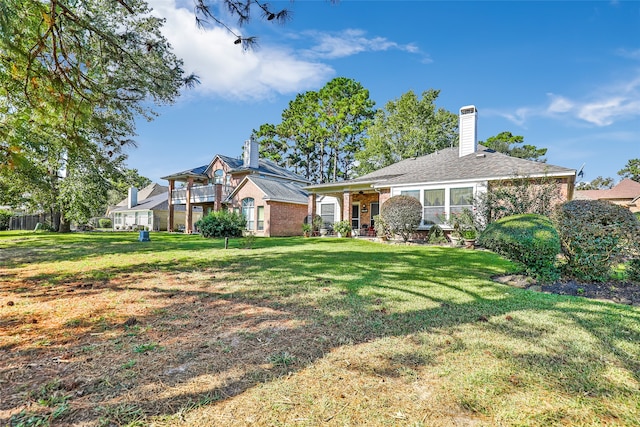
[182, 347]
[620, 293]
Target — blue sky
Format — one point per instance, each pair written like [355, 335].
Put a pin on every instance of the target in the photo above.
[565, 75]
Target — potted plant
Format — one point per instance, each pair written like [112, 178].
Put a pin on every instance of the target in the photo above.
[306, 230]
[317, 223]
[469, 235]
[464, 228]
[343, 228]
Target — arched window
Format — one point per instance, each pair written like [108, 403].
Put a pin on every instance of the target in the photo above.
[218, 176]
[248, 211]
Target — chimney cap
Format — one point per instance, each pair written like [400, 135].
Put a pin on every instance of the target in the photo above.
[468, 109]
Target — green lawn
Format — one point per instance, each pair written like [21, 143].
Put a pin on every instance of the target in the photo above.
[99, 329]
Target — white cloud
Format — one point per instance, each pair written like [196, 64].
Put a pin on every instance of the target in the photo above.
[559, 104]
[603, 107]
[225, 70]
[629, 53]
[350, 42]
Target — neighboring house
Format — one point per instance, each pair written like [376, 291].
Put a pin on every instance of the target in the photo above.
[144, 208]
[270, 197]
[445, 182]
[625, 193]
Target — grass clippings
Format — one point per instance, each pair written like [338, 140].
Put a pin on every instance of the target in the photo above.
[97, 329]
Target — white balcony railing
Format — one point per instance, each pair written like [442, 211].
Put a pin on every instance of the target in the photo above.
[199, 194]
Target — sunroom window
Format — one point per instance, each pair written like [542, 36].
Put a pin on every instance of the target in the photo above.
[411, 193]
[434, 206]
[460, 199]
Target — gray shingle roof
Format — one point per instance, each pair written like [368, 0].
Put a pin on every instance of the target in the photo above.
[279, 190]
[447, 166]
[198, 172]
[237, 165]
[148, 191]
[264, 167]
[158, 201]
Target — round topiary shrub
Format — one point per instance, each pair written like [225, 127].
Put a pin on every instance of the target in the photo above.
[222, 224]
[402, 215]
[595, 236]
[529, 240]
[104, 223]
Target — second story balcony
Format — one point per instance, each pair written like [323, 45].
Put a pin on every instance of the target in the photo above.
[199, 194]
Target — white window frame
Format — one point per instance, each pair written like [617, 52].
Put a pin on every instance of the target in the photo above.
[249, 212]
[477, 188]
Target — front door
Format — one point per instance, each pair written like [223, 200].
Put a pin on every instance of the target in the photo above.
[375, 210]
[355, 216]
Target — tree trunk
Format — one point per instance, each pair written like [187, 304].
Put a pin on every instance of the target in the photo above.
[55, 220]
[65, 226]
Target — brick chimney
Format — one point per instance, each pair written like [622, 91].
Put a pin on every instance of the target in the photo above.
[468, 129]
[251, 154]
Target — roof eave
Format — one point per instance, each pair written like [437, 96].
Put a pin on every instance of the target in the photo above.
[178, 176]
[478, 179]
[275, 199]
[342, 184]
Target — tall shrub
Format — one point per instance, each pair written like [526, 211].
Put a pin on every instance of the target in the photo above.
[595, 236]
[222, 224]
[515, 196]
[5, 218]
[104, 223]
[529, 240]
[402, 215]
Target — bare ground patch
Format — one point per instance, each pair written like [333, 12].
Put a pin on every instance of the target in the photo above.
[618, 292]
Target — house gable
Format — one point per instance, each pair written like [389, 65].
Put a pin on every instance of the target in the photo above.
[625, 193]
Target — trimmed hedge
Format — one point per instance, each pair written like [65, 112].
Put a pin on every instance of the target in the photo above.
[529, 240]
[222, 224]
[596, 236]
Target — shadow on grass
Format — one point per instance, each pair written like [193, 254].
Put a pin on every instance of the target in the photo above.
[360, 284]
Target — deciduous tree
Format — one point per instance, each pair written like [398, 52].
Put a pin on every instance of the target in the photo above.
[407, 127]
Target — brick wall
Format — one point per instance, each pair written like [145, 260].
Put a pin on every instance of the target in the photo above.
[249, 189]
[285, 219]
[565, 187]
[365, 200]
[385, 194]
[280, 219]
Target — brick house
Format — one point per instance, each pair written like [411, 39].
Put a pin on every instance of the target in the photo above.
[269, 196]
[272, 207]
[445, 182]
[625, 193]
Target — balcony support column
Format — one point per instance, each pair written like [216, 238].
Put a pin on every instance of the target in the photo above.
[170, 221]
[188, 217]
[218, 197]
